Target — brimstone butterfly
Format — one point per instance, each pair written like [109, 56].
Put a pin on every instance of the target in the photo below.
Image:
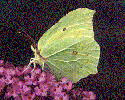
[68, 47]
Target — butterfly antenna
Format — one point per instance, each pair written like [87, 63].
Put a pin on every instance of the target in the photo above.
[30, 38]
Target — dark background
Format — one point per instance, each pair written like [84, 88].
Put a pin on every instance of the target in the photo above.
[35, 18]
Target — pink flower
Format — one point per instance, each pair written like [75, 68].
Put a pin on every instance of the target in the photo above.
[7, 65]
[57, 97]
[43, 74]
[33, 79]
[25, 90]
[62, 96]
[16, 89]
[42, 91]
[43, 86]
[9, 71]
[56, 92]
[50, 76]
[13, 91]
[26, 69]
[42, 77]
[37, 91]
[14, 94]
[50, 79]
[66, 97]
[1, 70]
[27, 77]
[8, 79]
[20, 84]
[28, 97]
[15, 80]
[19, 71]
[63, 80]
[37, 71]
[17, 98]
[45, 82]
[88, 95]
[9, 94]
[1, 62]
[2, 84]
[28, 81]
[68, 86]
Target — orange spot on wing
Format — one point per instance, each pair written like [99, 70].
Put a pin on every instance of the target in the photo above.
[74, 52]
[64, 29]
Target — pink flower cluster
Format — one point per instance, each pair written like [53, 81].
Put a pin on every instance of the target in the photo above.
[29, 85]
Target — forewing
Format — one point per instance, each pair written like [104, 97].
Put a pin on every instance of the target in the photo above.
[69, 30]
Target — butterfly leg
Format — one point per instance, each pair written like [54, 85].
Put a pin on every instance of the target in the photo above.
[31, 61]
[34, 65]
[43, 66]
[35, 59]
